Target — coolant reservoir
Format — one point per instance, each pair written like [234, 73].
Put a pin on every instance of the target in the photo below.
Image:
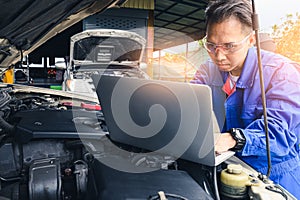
[234, 182]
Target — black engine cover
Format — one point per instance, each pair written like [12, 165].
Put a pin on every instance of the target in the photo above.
[117, 185]
[57, 124]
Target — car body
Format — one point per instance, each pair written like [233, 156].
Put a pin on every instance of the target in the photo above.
[103, 51]
[53, 142]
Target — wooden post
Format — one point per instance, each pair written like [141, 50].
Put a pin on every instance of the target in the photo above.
[150, 43]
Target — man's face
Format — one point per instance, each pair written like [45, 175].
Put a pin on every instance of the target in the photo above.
[229, 45]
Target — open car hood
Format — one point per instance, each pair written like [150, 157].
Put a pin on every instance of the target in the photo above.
[104, 46]
[27, 24]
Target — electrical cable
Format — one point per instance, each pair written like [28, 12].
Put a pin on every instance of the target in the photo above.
[176, 196]
[277, 190]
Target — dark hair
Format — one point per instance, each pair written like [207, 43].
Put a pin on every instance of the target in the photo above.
[220, 10]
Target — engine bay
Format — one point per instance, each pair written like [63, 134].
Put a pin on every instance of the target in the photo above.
[54, 148]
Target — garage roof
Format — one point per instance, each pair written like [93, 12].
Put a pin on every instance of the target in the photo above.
[175, 21]
[178, 22]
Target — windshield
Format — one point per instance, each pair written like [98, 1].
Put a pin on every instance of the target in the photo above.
[106, 49]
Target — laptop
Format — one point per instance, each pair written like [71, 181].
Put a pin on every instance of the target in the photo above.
[164, 117]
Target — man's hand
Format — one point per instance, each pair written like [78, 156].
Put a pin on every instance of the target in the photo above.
[224, 142]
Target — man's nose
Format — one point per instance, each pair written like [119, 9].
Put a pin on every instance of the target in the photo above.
[219, 54]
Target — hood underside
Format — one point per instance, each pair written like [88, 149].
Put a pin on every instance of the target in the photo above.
[107, 45]
[27, 24]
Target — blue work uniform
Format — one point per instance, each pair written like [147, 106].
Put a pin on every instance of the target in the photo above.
[243, 109]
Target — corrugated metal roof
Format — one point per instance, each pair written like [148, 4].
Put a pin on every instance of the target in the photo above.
[175, 21]
[178, 21]
[141, 4]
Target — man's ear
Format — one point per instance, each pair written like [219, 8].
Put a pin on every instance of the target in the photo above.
[252, 39]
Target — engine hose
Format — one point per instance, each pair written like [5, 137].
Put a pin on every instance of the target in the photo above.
[5, 126]
[5, 98]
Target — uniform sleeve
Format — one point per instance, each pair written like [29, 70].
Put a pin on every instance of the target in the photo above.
[209, 74]
[201, 75]
[283, 114]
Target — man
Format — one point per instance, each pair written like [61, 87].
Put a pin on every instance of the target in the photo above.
[232, 72]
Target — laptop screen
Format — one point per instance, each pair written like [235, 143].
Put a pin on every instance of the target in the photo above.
[165, 117]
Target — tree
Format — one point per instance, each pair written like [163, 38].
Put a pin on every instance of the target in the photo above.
[287, 37]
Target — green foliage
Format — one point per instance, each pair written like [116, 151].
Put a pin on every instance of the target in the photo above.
[200, 42]
[287, 37]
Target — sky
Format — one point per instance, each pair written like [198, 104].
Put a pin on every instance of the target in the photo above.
[273, 12]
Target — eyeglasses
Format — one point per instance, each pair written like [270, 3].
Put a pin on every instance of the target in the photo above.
[227, 48]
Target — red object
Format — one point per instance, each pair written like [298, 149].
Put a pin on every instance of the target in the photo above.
[67, 103]
[90, 106]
